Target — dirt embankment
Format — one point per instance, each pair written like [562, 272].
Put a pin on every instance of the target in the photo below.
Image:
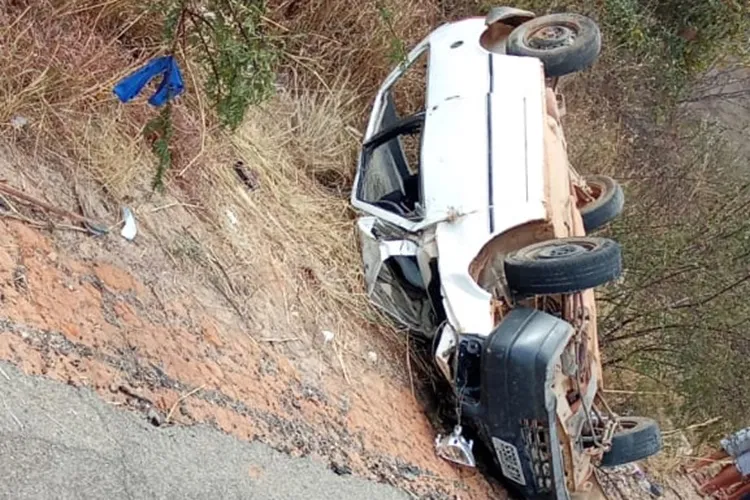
[122, 318]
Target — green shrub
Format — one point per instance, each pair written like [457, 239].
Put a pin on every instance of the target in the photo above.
[237, 57]
[681, 317]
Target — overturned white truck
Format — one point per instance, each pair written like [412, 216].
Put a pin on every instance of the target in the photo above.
[474, 231]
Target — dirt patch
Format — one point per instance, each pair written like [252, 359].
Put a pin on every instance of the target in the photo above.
[124, 319]
[620, 483]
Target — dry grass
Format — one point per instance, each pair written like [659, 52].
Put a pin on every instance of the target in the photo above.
[288, 247]
[293, 237]
[324, 36]
[57, 67]
[318, 130]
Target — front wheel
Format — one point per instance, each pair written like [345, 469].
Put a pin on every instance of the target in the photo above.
[565, 43]
[565, 265]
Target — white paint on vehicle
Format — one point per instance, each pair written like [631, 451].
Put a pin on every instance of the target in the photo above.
[482, 159]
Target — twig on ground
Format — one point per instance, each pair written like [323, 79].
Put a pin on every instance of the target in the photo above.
[4, 374]
[288, 339]
[43, 225]
[620, 391]
[174, 204]
[133, 394]
[5, 201]
[343, 366]
[20, 195]
[708, 422]
[721, 461]
[408, 365]
[182, 398]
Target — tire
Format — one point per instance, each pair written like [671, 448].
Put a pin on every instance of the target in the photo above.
[565, 43]
[606, 207]
[565, 265]
[638, 438]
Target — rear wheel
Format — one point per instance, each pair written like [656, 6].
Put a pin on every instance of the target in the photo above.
[565, 43]
[565, 265]
[637, 438]
[605, 205]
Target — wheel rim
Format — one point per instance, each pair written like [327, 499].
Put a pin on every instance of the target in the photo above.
[561, 251]
[596, 191]
[552, 37]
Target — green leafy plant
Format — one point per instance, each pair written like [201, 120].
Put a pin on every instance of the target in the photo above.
[397, 53]
[160, 131]
[227, 38]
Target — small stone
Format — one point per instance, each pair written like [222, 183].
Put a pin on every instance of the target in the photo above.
[372, 357]
[340, 469]
[154, 417]
[18, 122]
[327, 336]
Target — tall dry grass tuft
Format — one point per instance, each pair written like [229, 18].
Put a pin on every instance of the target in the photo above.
[324, 36]
[319, 132]
[56, 66]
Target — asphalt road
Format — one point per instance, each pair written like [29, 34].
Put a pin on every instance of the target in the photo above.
[60, 442]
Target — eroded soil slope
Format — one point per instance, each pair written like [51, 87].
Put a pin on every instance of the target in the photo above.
[127, 320]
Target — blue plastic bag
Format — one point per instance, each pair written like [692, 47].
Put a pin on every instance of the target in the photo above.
[171, 84]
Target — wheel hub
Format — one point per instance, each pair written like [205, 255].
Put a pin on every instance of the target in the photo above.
[560, 251]
[552, 37]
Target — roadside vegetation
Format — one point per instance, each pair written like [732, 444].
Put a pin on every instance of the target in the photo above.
[283, 86]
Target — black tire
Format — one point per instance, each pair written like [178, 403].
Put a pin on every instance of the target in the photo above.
[565, 265]
[606, 207]
[638, 438]
[565, 43]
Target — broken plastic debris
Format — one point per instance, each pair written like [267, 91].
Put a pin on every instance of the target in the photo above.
[247, 176]
[129, 230]
[18, 122]
[456, 448]
[232, 218]
[96, 229]
[327, 336]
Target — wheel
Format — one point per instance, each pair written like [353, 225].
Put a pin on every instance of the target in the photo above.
[565, 265]
[607, 203]
[638, 438]
[565, 43]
